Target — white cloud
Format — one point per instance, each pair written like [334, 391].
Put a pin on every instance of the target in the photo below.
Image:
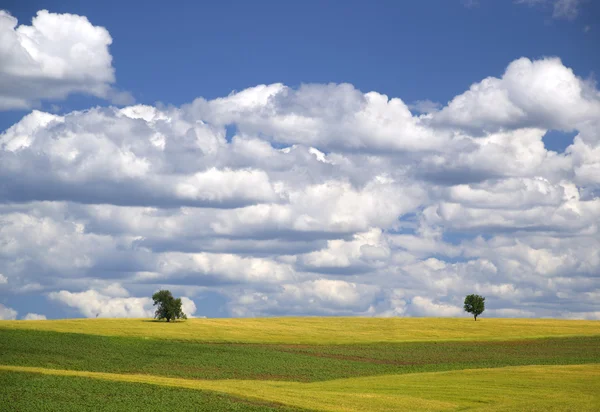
[59, 54]
[114, 290]
[3, 279]
[332, 206]
[541, 93]
[322, 116]
[216, 268]
[582, 315]
[34, 316]
[93, 304]
[7, 313]
[365, 252]
[221, 185]
[511, 193]
[586, 162]
[561, 9]
[327, 200]
[125, 165]
[422, 306]
[567, 9]
[188, 306]
[335, 293]
[320, 296]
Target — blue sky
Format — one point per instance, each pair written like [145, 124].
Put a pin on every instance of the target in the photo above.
[417, 50]
[373, 208]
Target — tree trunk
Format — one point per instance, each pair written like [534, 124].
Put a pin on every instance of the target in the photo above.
[475, 316]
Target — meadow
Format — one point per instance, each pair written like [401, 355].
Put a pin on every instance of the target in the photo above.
[327, 364]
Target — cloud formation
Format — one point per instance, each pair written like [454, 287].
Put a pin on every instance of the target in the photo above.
[536, 94]
[7, 313]
[112, 302]
[561, 9]
[59, 54]
[34, 316]
[326, 200]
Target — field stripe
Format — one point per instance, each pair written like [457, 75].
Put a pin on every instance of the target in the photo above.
[288, 393]
[536, 387]
[320, 330]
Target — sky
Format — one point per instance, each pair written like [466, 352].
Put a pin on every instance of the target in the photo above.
[300, 158]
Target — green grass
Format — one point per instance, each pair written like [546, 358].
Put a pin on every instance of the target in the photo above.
[329, 364]
[522, 388]
[21, 392]
[320, 330]
[302, 363]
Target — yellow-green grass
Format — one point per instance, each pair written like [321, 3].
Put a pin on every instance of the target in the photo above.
[333, 364]
[320, 330]
[555, 388]
[36, 392]
[297, 363]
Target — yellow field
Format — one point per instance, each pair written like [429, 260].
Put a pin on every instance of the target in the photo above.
[565, 378]
[320, 330]
[553, 388]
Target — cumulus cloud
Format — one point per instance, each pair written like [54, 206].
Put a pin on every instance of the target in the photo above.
[326, 200]
[59, 54]
[34, 316]
[320, 296]
[541, 93]
[95, 304]
[64, 158]
[201, 268]
[333, 116]
[365, 252]
[7, 313]
[423, 306]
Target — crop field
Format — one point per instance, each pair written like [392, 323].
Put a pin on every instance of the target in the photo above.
[325, 364]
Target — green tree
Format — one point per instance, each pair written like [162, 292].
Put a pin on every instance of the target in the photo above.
[475, 305]
[167, 306]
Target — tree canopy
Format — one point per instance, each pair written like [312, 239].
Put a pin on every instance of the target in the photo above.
[475, 305]
[167, 306]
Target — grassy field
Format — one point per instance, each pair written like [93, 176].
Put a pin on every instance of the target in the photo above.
[301, 363]
[570, 387]
[43, 392]
[318, 331]
[338, 364]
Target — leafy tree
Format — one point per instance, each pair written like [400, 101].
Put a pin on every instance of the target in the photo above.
[475, 305]
[168, 307]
